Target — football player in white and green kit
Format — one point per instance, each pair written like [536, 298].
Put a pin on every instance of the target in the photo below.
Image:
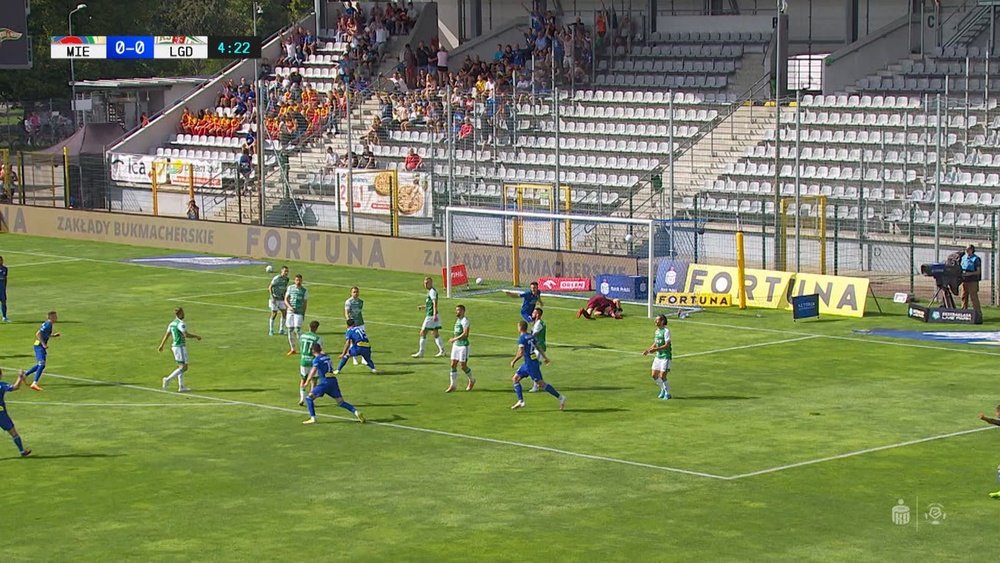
[296, 300]
[432, 322]
[663, 354]
[276, 300]
[177, 330]
[538, 331]
[353, 311]
[460, 350]
[306, 342]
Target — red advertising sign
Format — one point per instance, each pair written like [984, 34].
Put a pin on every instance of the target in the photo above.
[564, 284]
[459, 276]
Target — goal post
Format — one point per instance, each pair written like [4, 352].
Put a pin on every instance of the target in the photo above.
[507, 250]
[802, 223]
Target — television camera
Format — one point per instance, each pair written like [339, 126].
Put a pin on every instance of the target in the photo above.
[948, 278]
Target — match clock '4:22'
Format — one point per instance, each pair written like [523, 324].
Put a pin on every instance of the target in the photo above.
[233, 47]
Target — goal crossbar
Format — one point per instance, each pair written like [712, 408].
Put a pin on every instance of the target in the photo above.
[450, 211]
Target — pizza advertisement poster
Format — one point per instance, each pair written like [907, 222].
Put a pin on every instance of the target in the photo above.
[372, 193]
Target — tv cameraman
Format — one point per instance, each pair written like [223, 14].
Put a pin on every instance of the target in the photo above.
[972, 272]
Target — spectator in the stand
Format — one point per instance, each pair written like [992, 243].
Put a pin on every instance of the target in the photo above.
[331, 160]
[193, 212]
[429, 58]
[410, 62]
[350, 159]
[245, 163]
[442, 64]
[308, 43]
[372, 135]
[367, 159]
[465, 132]
[250, 142]
[399, 82]
[143, 120]
[413, 161]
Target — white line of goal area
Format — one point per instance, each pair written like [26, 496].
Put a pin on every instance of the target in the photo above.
[870, 340]
[470, 437]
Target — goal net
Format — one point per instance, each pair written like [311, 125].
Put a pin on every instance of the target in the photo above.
[507, 249]
[803, 232]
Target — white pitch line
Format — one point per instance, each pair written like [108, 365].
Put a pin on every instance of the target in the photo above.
[748, 346]
[123, 405]
[410, 428]
[858, 453]
[16, 265]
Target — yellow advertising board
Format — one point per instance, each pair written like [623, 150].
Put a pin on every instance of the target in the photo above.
[678, 299]
[838, 295]
[765, 289]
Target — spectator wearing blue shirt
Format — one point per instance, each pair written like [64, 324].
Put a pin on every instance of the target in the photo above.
[972, 272]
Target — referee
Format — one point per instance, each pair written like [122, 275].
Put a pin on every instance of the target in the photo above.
[972, 272]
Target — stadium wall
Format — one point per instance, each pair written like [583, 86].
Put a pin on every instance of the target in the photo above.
[319, 247]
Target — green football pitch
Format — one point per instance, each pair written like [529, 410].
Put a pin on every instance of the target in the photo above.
[784, 441]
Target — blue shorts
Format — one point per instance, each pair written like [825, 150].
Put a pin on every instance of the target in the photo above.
[327, 386]
[365, 353]
[40, 354]
[6, 424]
[530, 370]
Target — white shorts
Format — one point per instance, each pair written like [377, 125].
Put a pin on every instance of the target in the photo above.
[275, 304]
[362, 327]
[661, 364]
[292, 320]
[180, 354]
[304, 371]
[459, 353]
[431, 324]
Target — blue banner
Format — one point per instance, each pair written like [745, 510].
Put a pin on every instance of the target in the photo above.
[671, 276]
[805, 306]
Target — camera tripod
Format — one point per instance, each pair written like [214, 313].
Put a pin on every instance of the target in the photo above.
[948, 299]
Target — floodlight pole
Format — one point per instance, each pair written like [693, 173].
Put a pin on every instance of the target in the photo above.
[72, 68]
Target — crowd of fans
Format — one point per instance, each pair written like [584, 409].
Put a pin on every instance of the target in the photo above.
[475, 104]
[482, 96]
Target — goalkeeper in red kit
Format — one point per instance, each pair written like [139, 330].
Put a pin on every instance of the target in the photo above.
[601, 306]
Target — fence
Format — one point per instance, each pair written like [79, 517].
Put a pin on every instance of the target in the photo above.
[37, 123]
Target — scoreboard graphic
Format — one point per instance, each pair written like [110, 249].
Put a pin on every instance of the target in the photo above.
[154, 47]
[15, 44]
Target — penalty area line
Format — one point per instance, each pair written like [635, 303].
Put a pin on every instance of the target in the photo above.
[469, 437]
[858, 453]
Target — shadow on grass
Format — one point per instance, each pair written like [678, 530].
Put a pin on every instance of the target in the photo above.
[237, 390]
[67, 456]
[16, 356]
[713, 398]
[379, 374]
[384, 404]
[545, 409]
[597, 388]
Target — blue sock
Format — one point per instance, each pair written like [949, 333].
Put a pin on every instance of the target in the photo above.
[38, 374]
[551, 390]
[312, 406]
[368, 359]
[3, 308]
[347, 406]
[343, 362]
[519, 391]
[17, 442]
[33, 369]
